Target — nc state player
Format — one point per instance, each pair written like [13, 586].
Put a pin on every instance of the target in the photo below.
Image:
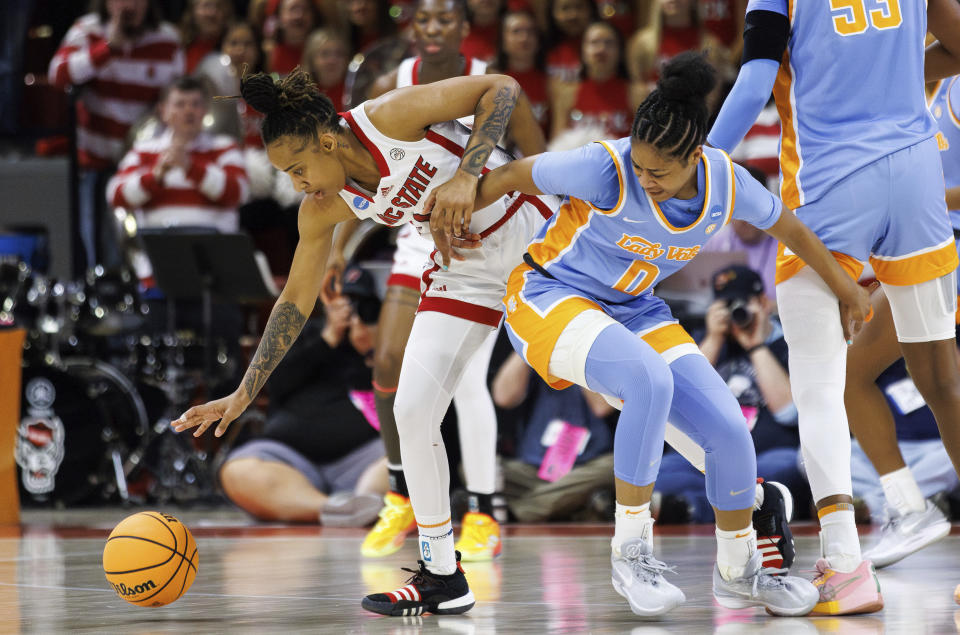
[439, 27]
[390, 159]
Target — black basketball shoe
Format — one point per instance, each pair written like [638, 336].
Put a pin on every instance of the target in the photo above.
[425, 592]
[770, 520]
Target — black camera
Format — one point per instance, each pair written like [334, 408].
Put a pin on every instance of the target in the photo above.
[740, 314]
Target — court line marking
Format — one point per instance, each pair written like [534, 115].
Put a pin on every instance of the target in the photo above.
[49, 587]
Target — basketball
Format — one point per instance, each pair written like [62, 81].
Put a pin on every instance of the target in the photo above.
[150, 559]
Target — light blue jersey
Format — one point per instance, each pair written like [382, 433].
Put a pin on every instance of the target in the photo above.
[615, 243]
[849, 90]
[945, 106]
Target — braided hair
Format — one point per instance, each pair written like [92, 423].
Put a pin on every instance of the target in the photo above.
[293, 106]
[673, 118]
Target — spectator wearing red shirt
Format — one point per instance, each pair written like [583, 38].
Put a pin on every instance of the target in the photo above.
[601, 98]
[673, 28]
[567, 20]
[296, 19]
[521, 57]
[325, 58]
[184, 177]
[201, 29]
[368, 21]
[722, 22]
[485, 22]
[124, 55]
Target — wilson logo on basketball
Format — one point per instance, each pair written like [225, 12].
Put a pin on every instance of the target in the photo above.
[124, 591]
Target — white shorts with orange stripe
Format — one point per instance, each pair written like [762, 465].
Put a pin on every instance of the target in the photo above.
[411, 258]
[553, 326]
[891, 212]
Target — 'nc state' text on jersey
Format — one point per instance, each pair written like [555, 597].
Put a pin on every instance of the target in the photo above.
[411, 192]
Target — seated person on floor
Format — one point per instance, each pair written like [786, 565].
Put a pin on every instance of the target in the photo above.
[564, 446]
[320, 437]
[744, 342]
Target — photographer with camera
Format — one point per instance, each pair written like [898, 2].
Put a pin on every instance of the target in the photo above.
[744, 342]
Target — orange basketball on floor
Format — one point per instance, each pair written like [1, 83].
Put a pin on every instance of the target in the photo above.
[150, 559]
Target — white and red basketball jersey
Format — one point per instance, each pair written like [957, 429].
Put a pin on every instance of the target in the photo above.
[408, 74]
[409, 170]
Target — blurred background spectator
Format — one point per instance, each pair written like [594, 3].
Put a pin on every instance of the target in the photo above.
[284, 46]
[320, 436]
[368, 21]
[520, 55]
[325, 57]
[486, 18]
[567, 21]
[600, 97]
[564, 463]
[123, 54]
[202, 28]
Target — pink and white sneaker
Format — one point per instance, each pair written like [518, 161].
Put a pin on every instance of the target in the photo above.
[847, 593]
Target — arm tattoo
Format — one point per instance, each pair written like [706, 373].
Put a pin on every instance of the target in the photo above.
[283, 327]
[489, 129]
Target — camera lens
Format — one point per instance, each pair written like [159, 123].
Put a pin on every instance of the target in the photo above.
[740, 314]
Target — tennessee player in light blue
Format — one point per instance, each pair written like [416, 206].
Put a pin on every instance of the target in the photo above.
[860, 166]
[914, 522]
[580, 310]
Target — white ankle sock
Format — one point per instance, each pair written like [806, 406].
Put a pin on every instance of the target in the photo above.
[734, 549]
[436, 546]
[901, 491]
[839, 542]
[631, 521]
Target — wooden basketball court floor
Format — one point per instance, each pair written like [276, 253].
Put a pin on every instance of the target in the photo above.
[550, 579]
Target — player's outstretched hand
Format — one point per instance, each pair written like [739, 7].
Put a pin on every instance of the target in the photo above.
[855, 309]
[224, 410]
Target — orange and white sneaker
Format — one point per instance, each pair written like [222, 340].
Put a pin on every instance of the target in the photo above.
[847, 593]
[479, 538]
[395, 522]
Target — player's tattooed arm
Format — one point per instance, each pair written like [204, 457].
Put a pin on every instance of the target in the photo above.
[489, 125]
[285, 323]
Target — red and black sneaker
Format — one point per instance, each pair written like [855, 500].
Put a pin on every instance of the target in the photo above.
[771, 521]
[425, 592]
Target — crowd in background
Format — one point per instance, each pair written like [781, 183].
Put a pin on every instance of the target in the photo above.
[584, 65]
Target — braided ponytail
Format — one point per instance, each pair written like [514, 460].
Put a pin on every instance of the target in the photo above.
[293, 106]
[673, 118]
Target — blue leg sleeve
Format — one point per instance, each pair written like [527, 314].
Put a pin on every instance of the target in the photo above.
[622, 364]
[705, 409]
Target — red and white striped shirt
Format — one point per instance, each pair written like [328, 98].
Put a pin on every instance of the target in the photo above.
[121, 85]
[206, 195]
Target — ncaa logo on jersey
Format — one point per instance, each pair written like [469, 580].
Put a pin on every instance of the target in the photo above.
[716, 212]
[361, 203]
[425, 551]
[397, 154]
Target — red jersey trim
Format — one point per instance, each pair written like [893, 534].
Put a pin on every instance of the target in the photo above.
[404, 280]
[369, 145]
[415, 72]
[461, 309]
[357, 192]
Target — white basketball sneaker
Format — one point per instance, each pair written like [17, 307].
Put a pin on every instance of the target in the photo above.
[758, 586]
[638, 577]
[905, 534]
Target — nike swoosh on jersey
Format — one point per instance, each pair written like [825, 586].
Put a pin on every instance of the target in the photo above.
[630, 220]
[738, 492]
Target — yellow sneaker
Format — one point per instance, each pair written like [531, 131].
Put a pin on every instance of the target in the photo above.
[395, 522]
[479, 538]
